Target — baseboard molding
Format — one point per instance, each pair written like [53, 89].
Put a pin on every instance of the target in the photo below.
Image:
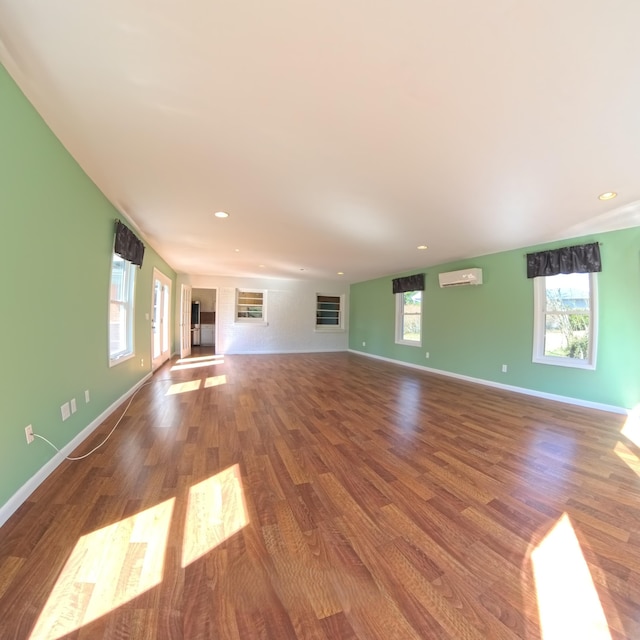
[498, 385]
[23, 493]
[281, 353]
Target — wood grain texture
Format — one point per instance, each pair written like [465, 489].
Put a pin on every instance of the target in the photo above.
[328, 496]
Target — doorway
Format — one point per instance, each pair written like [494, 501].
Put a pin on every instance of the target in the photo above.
[160, 322]
[206, 300]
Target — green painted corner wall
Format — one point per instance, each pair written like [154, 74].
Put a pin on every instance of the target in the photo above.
[473, 331]
[57, 231]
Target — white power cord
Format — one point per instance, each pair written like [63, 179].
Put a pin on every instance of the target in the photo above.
[115, 426]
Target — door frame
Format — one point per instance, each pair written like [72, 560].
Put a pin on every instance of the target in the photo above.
[164, 318]
[185, 320]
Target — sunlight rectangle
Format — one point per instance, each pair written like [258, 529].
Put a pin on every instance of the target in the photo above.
[215, 511]
[183, 387]
[215, 381]
[196, 365]
[212, 358]
[106, 569]
[568, 603]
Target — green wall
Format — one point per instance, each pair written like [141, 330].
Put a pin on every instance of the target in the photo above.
[57, 238]
[473, 331]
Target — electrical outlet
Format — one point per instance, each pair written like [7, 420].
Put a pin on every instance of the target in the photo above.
[504, 368]
[364, 344]
[142, 362]
[87, 396]
[426, 355]
[65, 411]
[74, 406]
[28, 431]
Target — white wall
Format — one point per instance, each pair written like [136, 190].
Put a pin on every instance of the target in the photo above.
[290, 311]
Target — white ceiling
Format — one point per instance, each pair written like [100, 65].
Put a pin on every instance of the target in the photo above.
[339, 135]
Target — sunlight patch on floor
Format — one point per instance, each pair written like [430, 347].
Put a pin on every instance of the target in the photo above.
[215, 511]
[568, 603]
[631, 427]
[628, 457]
[218, 359]
[183, 387]
[106, 569]
[215, 381]
[196, 365]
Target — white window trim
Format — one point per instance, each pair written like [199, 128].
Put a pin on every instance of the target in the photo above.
[400, 318]
[251, 321]
[330, 328]
[123, 356]
[539, 309]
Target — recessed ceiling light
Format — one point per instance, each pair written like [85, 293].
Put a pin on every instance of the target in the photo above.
[340, 273]
[261, 266]
[221, 214]
[237, 250]
[608, 195]
[422, 247]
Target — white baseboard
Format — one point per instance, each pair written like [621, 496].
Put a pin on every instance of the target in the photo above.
[507, 387]
[23, 493]
[280, 352]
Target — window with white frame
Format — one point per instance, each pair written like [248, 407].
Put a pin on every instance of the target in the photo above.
[250, 306]
[329, 312]
[565, 321]
[121, 298]
[409, 318]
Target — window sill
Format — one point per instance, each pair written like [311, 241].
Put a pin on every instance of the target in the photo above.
[410, 343]
[565, 362]
[123, 358]
[329, 330]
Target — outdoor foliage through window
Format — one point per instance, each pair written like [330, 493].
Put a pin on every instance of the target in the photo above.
[409, 317]
[567, 316]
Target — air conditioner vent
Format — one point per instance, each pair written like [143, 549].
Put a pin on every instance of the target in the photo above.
[461, 278]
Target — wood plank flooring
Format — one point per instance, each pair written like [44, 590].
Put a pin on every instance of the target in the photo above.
[331, 496]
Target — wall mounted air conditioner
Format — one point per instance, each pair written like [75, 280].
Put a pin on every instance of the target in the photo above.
[460, 278]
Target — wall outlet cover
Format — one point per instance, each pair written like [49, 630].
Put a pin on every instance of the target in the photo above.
[65, 411]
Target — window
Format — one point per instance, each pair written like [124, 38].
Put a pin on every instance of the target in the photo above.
[121, 310]
[409, 318]
[250, 306]
[565, 322]
[329, 312]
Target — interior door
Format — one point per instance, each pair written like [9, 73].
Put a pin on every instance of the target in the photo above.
[185, 321]
[160, 320]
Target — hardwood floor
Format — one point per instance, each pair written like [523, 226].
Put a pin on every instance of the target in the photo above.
[330, 496]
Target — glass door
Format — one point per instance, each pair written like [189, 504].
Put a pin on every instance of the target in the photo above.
[160, 320]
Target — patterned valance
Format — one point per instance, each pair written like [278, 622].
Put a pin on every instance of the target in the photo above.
[409, 283]
[583, 258]
[127, 245]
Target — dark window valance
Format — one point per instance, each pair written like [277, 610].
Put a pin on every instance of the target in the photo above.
[128, 245]
[584, 258]
[409, 283]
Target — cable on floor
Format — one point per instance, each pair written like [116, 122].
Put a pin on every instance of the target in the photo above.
[115, 426]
